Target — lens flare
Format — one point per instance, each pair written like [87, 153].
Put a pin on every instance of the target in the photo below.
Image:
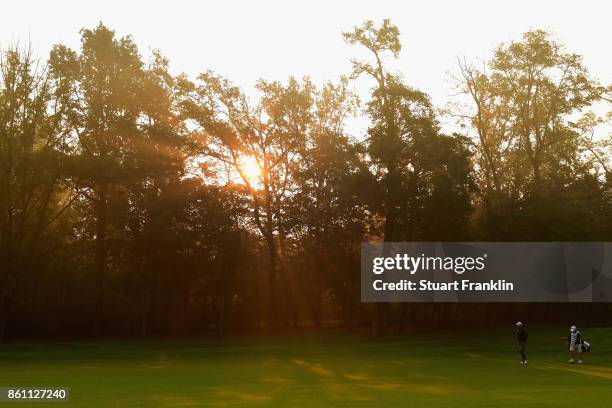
[250, 169]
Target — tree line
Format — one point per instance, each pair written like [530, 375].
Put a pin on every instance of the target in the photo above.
[135, 201]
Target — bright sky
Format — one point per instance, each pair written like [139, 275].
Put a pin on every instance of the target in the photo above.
[248, 40]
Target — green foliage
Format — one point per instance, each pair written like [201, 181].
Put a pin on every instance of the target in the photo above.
[418, 170]
[532, 158]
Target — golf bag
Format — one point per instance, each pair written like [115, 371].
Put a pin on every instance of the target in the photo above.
[586, 346]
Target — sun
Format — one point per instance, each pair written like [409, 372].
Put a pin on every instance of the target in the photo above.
[250, 169]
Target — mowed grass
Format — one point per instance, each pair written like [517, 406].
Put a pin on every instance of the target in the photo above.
[456, 369]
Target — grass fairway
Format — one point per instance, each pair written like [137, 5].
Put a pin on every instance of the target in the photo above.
[473, 369]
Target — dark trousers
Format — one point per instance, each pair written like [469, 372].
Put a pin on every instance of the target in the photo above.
[522, 345]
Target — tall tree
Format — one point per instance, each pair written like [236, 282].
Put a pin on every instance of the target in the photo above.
[32, 194]
[522, 113]
[269, 134]
[385, 144]
[410, 159]
[328, 213]
[121, 123]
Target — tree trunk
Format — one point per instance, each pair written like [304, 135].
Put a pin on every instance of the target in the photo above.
[144, 325]
[3, 324]
[272, 304]
[381, 319]
[144, 318]
[100, 254]
[221, 315]
[317, 307]
[381, 308]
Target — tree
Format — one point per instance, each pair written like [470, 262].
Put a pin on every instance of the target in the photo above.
[181, 237]
[328, 212]
[122, 126]
[522, 113]
[409, 157]
[269, 133]
[32, 188]
[385, 143]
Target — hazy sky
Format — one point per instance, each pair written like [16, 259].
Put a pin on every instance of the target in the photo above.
[247, 40]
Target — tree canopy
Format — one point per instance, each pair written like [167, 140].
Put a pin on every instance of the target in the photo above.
[134, 200]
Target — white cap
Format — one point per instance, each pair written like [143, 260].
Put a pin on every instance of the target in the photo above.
[573, 328]
[519, 323]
